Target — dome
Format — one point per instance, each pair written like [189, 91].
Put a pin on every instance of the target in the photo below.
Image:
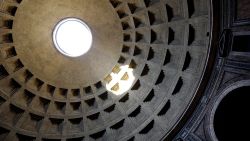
[136, 80]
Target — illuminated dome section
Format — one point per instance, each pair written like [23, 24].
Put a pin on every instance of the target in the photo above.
[72, 37]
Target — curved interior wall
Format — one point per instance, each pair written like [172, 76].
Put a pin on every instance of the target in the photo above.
[230, 74]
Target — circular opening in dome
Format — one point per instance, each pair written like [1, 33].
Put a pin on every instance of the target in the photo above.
[232, 116]
[72, 37]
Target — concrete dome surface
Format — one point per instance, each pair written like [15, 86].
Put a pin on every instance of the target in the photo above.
[136, 82]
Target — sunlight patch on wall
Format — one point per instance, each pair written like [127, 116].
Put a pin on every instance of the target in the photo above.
[120, 80]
